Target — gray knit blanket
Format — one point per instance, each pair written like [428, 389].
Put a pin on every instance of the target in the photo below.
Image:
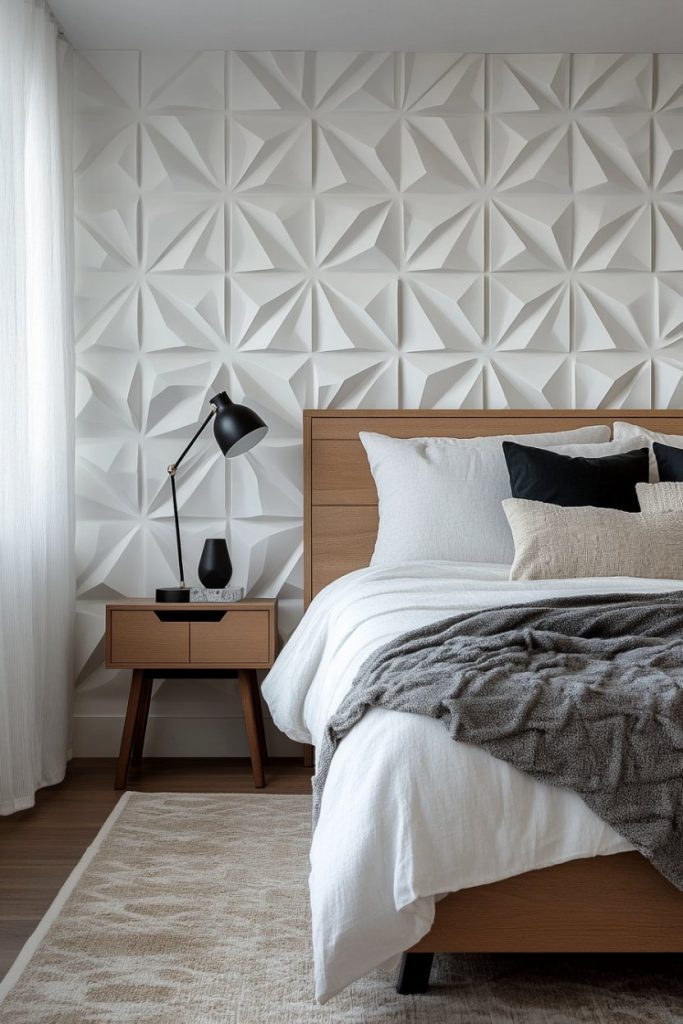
[584, 693]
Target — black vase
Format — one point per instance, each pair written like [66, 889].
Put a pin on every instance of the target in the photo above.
[215, 568]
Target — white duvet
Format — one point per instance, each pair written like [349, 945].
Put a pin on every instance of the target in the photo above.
[407, 813]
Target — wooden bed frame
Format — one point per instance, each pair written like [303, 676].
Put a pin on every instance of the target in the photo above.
[616, 904]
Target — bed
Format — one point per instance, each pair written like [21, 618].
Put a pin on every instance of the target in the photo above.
[582, 901]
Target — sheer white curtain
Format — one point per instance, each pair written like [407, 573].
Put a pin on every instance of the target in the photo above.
[36, 407]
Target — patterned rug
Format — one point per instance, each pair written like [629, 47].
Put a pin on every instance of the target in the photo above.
[192, 909]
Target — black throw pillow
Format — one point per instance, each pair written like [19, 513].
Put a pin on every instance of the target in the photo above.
[608, 482]
[669, 462]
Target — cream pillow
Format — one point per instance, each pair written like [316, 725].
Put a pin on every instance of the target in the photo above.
[553, 542]
[660, 499]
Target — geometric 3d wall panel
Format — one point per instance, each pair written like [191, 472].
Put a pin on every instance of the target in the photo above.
[344, 229]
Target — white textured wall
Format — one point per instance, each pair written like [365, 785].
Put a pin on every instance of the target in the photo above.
[343, 230]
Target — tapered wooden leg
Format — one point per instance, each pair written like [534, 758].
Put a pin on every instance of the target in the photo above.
[309, 755]
[129, 728]
[141, 721]
[413, 975]
[251, 716]
[258, 711]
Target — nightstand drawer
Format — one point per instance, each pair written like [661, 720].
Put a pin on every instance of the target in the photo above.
[240, 638]
[139, 637]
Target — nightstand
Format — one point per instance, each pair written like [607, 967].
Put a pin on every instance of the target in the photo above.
[190, 641]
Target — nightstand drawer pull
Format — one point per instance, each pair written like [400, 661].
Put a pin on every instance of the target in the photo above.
[191, 616]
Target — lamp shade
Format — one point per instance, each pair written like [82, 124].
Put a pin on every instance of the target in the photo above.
[235, 427]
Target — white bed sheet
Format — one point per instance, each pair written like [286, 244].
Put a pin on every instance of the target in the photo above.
[407, 813]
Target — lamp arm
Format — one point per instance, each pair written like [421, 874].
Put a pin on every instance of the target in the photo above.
[174, 465]
[172, 472]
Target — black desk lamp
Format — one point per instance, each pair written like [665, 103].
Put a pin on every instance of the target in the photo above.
[237, 429]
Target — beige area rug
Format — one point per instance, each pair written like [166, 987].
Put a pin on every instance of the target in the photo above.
[192, 909]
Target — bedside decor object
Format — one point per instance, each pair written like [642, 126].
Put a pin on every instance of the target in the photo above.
[205, 595]
[215, 568]
[236, 429]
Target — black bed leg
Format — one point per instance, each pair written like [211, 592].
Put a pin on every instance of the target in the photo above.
[413, 975]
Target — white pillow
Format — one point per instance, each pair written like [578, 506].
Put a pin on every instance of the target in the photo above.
[627, 431]
[552, 542]
[440, 497]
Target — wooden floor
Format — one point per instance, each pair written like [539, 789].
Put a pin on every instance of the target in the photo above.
[39, 847]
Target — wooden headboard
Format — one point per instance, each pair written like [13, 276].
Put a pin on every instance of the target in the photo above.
[340, 500]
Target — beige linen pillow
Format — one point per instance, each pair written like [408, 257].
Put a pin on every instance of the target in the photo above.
[553, 542]
[660, 499]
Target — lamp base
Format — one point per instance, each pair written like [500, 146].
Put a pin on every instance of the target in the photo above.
[172, 594]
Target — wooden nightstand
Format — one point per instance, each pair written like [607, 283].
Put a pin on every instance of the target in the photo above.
[190, 641]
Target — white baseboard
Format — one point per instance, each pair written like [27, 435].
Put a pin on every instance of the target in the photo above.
[100, 736]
